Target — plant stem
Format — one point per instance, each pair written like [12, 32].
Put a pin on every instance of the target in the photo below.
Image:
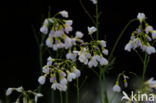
[41, 55]
[145, 64]
[52, 96]
[97, 20]
[118, 39]
[61, 97]
[67, 94]
[78, 90]
[86, 11]
[102, 90]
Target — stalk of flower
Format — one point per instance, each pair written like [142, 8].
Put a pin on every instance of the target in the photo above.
[25, 96]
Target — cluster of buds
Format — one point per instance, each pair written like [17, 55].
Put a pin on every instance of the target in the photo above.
[24, 95]
[58, 30]
[59, 72]
[141, 38]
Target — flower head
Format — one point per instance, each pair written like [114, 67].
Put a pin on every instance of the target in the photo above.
[42, 80]
[9, 91]
[141, 17]
[79, 34]
[94, 1]
[71, 76]
[91, 30]
[64, 14]
[19, 89]
[116, 88]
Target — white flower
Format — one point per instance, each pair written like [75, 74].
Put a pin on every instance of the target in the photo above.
[148, 29]
[125, 80]
[9, 91]
[62, 87]
[71, 76]
[42, 80]
[103, 61]
[84, 55]
[116, 88]
[55, 48]
[154, 34]
[37, 96]
[93, 62]
[68, 29]
[64, 14]
[75, 52]
[103, 43]
[45, 69]
[91, 30]
[150, 50]
[71, 56]
[49, 42]
[19, 89]
[68, 43]
[44, 29]
[49, 60]
[63, 81]
[58, 33]
[69, 22]
[77, 72]
[68, 26]
[52, 79]
[151, 82]
[128, 46]
[55, 86]
[94, 1]
[141, 16]
[105, 51]
[79, 34]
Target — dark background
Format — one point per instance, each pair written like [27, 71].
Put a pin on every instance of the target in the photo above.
[18, 51]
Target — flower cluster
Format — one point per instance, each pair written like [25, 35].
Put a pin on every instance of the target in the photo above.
[141, 38]
[24, 95]
[91, 54]
[58, 30]
[59, 72]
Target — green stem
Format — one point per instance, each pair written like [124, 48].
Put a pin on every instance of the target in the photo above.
[97, 20]
[41, 55]
[52, 96]
[118, 39]
[103, 96]
[67, 95]
[145, 64]
[139, 56]
[78, 90]
[61, 97]
[86, 11]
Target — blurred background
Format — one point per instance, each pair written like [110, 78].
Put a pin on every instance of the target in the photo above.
[19, 54]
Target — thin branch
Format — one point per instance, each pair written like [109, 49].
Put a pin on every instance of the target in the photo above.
[86, 11]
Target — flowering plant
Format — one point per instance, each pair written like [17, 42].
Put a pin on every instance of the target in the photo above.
[67, 56]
